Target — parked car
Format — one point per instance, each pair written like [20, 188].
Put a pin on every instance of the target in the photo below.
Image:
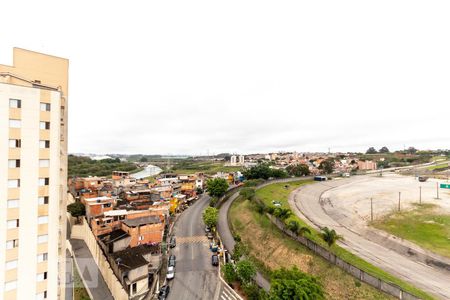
[172, 242]
[163, 292]
[209, 235]
[215, 260]
[170, 273]
[207, 229]
[172, 260]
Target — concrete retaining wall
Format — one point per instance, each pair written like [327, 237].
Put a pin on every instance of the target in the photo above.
[83, 232]
[388, 288]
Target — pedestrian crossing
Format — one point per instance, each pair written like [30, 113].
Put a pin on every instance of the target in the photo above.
[227, 294]
[199, 239]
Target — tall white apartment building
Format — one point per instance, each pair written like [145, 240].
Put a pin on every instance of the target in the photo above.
[33, 176]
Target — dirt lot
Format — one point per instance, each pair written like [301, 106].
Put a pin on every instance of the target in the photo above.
[353, 200]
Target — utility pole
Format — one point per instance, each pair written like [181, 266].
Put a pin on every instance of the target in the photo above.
[371, 210]
[399, 195]
[420, 195]
[437, 190]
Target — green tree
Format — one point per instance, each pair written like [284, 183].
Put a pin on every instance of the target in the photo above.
[295, 227]
[327, 165]
[210, 216]
[384, 150]
[263, 171]
[199, 191]
[229, 273]
[240, 250]
[213, 201]
[329, 236]
[247, 193]
[298, 170]
[143, 159]
[245, 271]
[294, 284]
[282, 213]
[371, 150]
[76, 210]
[217, 187]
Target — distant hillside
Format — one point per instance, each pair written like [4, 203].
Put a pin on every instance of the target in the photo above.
[84, 166]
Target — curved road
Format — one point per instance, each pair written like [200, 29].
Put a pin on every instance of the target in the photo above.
[305, 202]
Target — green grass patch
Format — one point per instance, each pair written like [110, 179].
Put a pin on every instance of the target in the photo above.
[423, 225]
[280, 192]
[207, 167]
[438, 167]
[80, 292]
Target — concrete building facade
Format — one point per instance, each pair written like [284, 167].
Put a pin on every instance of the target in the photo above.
[33, 176]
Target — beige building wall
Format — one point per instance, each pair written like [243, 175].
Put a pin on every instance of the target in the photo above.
[34, 79]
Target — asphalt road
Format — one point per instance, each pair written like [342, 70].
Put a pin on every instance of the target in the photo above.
[305, 202]
[195, 277]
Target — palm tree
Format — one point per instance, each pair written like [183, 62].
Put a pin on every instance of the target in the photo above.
[282, 213]
[330, 236]
[295, 227]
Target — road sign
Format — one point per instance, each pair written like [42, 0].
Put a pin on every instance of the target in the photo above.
[445, 185]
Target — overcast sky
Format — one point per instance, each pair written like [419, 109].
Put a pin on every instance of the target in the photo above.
[192, 77]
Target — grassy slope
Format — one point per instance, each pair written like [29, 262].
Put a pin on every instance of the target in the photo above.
[424, 225]
[279, 192]
[271, 249]
[80, 292]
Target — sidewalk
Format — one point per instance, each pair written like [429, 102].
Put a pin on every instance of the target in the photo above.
[89, 272]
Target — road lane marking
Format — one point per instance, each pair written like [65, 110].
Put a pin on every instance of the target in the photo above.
[192, 239]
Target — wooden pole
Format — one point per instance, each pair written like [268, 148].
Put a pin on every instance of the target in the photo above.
[420, 195]
[399, 195]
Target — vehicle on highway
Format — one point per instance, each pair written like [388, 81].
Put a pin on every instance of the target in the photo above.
[173, 242]
[214, 260]
[172, 261]
[423, 178]
[320, 178]
[170, 273]
[163, 292]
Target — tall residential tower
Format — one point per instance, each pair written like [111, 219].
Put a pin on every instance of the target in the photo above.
[33, 176]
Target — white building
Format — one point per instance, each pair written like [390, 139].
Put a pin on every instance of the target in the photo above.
[241, 160]
[33, 176]
[233, 160]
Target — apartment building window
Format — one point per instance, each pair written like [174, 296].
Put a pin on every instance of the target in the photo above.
[44, 144]
[43, 200]
[13, 123]
[133, 288]
[11, 244]
[10, 285]
[44, 163]
[15, 103]
[13, 163]
[41, 296]
[41, 276]
[12, 264]
[44, 125]
[15, 143]
[44, 181]
[43, 220]
[13, 203]
[13, 183]
[45, 106]
[11, 224]
[42, 257]
[42, 238]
